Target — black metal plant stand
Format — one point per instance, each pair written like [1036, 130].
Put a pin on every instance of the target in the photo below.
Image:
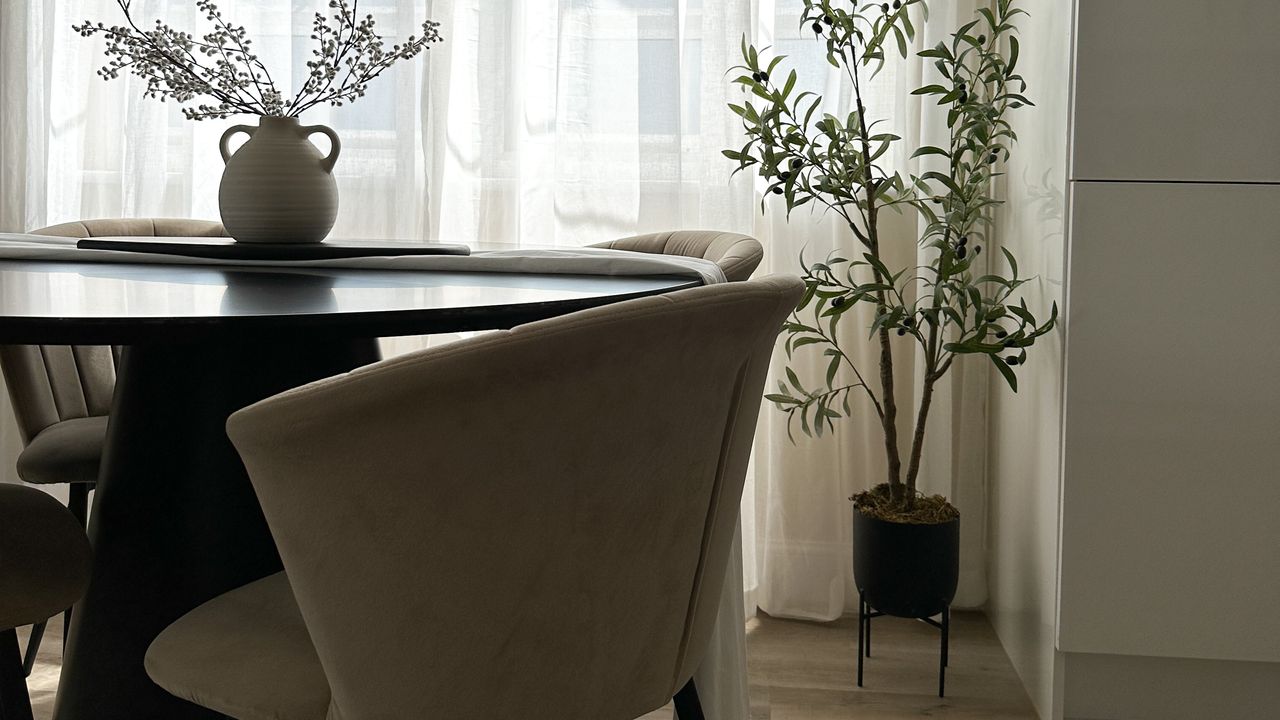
[865, 613]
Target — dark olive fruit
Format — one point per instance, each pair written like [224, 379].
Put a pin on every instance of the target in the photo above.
[1015, 105]
[964, 97]
[977, 249]
[884, 7]
[755, 76]
[817, 27]
[1002, 334]
[764, 76]
[982, 39]
[777, 191]
[964, 240]
[827, 19]
[1012, 360]
[961, 252]
[897, 4]
[796, 164]
[993, 159]
[909, 322]
[838, 302]
[902, 331]
[784, 175]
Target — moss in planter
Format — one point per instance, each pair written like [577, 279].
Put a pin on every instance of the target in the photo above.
[921, 510]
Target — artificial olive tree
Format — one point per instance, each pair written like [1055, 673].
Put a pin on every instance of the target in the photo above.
[946, 305]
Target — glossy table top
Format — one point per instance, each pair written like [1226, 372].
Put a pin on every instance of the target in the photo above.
[101, 303]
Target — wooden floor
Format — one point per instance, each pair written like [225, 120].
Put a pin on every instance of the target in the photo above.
[805, 671]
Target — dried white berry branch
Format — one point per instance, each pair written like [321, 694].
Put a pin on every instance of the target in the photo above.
[221, 67]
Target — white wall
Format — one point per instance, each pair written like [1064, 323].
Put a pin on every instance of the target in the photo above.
[1024, 428]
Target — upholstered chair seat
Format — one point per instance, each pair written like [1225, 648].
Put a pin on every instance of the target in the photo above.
[737, 255]
[496, 528]
[69, 451]
[245, 654]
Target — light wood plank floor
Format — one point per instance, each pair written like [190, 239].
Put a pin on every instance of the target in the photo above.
[805, 671]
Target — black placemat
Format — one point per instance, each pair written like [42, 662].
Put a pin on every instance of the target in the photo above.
[228, 249]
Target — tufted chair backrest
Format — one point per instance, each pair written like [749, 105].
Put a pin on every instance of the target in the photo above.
[737, 255]
[51, 383]
[135, 227]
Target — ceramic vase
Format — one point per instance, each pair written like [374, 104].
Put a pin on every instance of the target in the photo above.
[278, 187]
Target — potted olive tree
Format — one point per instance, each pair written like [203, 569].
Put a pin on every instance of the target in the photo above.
[948, 304]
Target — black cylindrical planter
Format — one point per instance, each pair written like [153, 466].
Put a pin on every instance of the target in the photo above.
[903, 569]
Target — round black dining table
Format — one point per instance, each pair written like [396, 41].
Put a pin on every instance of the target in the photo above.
[175, 521]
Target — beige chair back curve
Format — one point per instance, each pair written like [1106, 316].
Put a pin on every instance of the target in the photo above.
[737, 255]
[135, 227]
[51, 383]
[528, 523]
[44, 557]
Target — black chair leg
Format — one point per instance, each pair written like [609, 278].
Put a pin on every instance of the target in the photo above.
[78, 504]
[942, 662]
[15, 704]
[33, 646]
[688, 707]
[862, 626]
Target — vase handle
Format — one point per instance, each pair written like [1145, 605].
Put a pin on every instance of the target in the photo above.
[335, 144]
[226, 138]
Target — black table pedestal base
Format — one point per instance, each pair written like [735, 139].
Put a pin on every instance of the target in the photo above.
[175, 521]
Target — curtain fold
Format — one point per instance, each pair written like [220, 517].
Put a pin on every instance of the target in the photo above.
[536, 122]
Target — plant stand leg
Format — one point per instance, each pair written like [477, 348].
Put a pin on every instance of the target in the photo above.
[942, 662]
[862, 621]
[870, 615]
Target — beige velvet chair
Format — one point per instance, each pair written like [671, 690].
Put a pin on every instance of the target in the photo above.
[737, 255]
[61, 395]
[44, 567]
[528, 524]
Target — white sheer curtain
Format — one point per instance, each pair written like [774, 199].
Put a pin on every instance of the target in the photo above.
[536, 122]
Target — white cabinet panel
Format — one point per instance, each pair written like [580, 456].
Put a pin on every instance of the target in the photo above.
[1177, 90]
[1171, 459]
